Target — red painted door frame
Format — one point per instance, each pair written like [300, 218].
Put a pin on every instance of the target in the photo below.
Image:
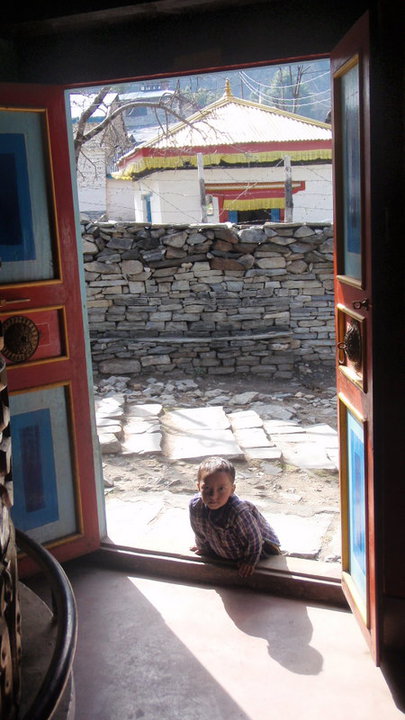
[354, 310]
[63, 293]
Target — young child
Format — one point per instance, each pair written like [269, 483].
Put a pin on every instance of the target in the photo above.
[226, 526]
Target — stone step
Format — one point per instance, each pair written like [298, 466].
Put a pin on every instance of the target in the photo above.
[161, 523]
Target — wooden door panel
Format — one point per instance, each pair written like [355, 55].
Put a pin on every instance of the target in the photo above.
[354, 304]
[42, 311]
[51, 327]
[26, 244]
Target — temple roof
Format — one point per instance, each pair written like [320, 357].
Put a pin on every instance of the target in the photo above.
[232, 126]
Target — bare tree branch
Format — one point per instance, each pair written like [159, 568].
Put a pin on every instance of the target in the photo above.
[118, 111]
[167, 104]
[84, 117]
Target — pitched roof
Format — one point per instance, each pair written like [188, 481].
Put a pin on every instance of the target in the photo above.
[232, 126]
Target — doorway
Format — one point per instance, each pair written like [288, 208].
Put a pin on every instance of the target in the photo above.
[220, 37]
[147, 493]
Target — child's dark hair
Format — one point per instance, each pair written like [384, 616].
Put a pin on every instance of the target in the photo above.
[215, 464]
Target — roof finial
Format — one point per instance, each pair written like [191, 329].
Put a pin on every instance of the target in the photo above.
[228, 91]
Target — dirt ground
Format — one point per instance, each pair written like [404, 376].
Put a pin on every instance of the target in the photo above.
[310, 397]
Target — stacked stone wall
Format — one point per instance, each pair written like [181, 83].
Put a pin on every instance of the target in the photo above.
[212, 299]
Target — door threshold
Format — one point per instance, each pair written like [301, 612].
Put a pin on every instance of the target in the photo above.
[280, 575]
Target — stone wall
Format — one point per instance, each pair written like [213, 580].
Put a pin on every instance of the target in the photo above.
[209, 298]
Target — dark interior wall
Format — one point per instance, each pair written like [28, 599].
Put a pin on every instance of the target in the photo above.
[226, 36]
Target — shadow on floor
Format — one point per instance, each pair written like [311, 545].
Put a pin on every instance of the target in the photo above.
[159, 650]
[259, 616]
[129, 664]
[393, 669]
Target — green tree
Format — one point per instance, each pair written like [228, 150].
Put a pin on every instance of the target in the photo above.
[287, 87]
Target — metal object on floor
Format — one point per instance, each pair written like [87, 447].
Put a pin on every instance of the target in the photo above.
[65, 615]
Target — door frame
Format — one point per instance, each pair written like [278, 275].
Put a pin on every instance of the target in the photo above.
[66, 368]
[354, 309]
[222, 67]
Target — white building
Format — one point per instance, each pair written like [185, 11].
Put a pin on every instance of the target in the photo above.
[243, 148]
[98, 196]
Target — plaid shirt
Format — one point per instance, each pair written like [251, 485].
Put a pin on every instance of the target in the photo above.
[236, 531]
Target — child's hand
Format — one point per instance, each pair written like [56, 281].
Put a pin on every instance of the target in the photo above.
[245, 570]
[197, 551]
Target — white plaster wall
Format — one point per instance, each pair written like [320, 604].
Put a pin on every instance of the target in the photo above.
[176, 196]
[138, 204]
[141, 190]
[91, 180]
[120, 199]
[315, 204]
[92, 200]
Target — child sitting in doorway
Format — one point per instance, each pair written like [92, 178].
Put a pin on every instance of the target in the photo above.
[226, 526]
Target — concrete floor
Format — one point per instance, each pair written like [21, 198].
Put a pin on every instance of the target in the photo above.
[163, 651]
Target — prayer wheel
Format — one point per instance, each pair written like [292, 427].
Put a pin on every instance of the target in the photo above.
[10, 619]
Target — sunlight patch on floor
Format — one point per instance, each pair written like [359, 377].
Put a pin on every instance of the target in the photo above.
[275, 657]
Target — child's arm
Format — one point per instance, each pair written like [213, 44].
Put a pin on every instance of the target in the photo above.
[202, 546]
[251, 542]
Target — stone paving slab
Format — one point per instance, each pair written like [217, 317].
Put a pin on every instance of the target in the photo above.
[149, 410]
[151, 525]
[112, 401]
[310, 447]
[263, 453]
[109, 443]
[323, 435]
[193, 420]
[204, 444]
[301, 536]
[245, 419]
[267, 453]
[320, 430]
[130, 523]
[292, 438]
[280, 427]
[106, 422]
[111, 427]
[309, 456]
[252, 438]
[142, 443]
[110, 411]
[192, 433]
[137, 425]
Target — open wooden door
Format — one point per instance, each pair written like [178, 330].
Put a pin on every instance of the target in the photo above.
[354, 307]
[42, 317]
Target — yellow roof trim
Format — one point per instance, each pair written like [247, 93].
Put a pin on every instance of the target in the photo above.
[173, 162]
[255, 204]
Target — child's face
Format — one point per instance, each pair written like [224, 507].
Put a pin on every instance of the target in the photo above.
[216, 489]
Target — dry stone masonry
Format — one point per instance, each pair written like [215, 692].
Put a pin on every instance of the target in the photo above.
[214, 299]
